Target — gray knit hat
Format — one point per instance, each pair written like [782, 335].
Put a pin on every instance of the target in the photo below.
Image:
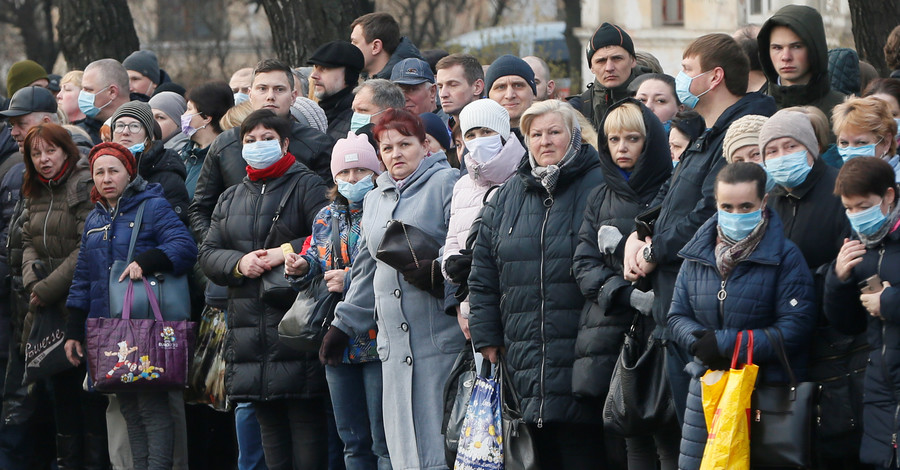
[506, 65]
[142, 112]
[171, 103]
[144, 63]
[485, 113]
[307, 112]
[792, 124]
[741, 133]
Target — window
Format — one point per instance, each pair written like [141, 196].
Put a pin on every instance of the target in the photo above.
[758, 10]
[673, 12]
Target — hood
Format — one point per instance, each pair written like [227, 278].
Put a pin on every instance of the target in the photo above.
[806, 22]
[585, 160]
[405, 50]
[653, 167]
[430, 164]
[498, 169]
[157, 158]
[843, 70]
[702, 246]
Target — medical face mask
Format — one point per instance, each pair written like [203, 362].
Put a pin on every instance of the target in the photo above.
[683, 89]
[770, 183]
[667, 126]
[482, 149]
[240, 98]
[359, 120]
[186, 127]
[137, 148]
[848, 153]
[790, 170]
[737, 226]
[86, 102]
[867, 222]
[262, 153]
[355, 192]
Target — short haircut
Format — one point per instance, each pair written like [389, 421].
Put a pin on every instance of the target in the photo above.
[867, 114]
[864, 177]
[746, 37]
[564, 110]
[819, 123]
[472, 69]
[887, 86]
[274, 65]
[892, 49]
[667, 79]
[382, 26]
[743, 172]
[268, 119]
[72, 77]
[213, 100]
[402, 121]
[626, 117]
[110, 72]
[52, 134]
[721, 50]
[648, 61]
[385, 93]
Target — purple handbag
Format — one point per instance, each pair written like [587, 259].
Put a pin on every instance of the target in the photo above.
[124, 354]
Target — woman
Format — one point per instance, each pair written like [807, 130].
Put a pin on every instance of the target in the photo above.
[56, 188]
[865, 128]
[492, 159]
[133, 127]
[417, 343]
[686, 127]
[859, 296]
[206, 105]
[163, 245]
[887, 90]
[740, 256]
[741, 142]
[523, 295]
[635, 163]
[287, 387]
[67, 98]
[355, 381]
[657, 92]
[167, 108]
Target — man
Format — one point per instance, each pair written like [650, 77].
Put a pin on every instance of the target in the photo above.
[273, 88]
[715, 72]
[417, 82]
[510, 82]
[25, 73]
[371, 100]
[144, 74]
[336, 68]
[30, 107]
[747, 38]
[240, 84]
[544, 86]
[794, 57]
[377, 35]
[460, 81]
[611, 57]
[104, 87]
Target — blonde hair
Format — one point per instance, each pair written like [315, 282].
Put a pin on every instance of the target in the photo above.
[235, 115]
[72, 77]
[564, 110]
[866, 114]
[627, 117]
[819, 122]
[588, 134]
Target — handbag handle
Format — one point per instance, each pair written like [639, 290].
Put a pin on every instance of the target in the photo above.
[778, 344]
[129, 299]
[134, 232]
[337, 250]
[737, 348]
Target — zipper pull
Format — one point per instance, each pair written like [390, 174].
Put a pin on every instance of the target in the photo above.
[758, 415]
[263, 191]
[721, 295]
[894, 440]
[540, 424]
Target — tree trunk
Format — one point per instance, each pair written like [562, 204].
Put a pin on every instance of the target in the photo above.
[35, 23]
[573, 20]
[95, 30]
[300, 26]
[872, 21]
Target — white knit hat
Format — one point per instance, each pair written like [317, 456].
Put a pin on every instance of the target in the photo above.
[485, 113]
[354, 152]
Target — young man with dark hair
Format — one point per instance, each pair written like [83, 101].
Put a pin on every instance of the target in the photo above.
[460, 81]
[377, 35]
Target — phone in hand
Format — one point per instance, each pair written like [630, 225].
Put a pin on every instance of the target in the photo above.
[871, 285]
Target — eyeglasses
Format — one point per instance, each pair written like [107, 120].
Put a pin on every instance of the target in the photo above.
[133, 127]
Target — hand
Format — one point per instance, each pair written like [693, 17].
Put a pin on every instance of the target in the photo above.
[36, 301]
[334, 280]
[133, 271]
[850, 255]
[295, 265]
[426, 277]
[463, 324]
[706, 348]
[491, 353]
[633, 248]
[872, 302]
[74, 353]
[458, 266]
[274, 257]
[253, 264]
[334, 343]
[608, 238]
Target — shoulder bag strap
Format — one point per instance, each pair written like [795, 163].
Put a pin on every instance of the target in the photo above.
[134, 232]
[337, 255]
[778, 345]
[280, 208]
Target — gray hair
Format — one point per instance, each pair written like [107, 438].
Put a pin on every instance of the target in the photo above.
[385, 93]
[111, 72]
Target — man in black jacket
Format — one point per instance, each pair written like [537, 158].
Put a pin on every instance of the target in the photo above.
[336, 68]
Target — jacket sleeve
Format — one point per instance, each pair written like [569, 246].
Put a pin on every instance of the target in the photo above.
[599, 283]
[175, 192]
[218, 263]
[448, 182]
[452, 244]
[54, 288]
[682, 320]
[313, 199]
[355, 315]
[485, 324]
[173, 237]
[841, 304]
[29, 254]
[313, 149]
[210, 185]
[80, 291]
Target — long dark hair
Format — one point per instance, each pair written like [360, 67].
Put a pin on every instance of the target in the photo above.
[49, 134]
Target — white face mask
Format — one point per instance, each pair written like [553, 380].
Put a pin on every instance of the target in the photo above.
[482, 149]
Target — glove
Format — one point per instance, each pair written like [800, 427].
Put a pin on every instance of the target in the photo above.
[334, 343]
[642, 301]
[706, 348]
[458, 266]
[426, 277]
[608, 238]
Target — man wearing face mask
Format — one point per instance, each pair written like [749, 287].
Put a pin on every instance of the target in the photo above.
[240, 84]
[370, 100]
[104, 87]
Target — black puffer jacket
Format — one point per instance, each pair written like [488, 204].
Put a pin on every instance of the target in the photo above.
[595, 102]
[339, 113]
[161, 165]
[258, 366]
[522, 288]
[615, 203]
[224, 167]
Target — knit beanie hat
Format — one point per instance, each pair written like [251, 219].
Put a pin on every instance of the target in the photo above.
[509, 65]
[485, 113]
[144, 63]
[792, 124]
[142, 112]
[115, 150]
[741, 133]
[435, 127]
[609, 35]
[21, 74]
[354, 152]
[170, 103]
[307, 111]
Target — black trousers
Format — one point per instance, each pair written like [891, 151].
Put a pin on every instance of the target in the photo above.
[294, 433]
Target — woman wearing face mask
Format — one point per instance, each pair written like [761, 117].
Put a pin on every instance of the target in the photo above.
[492, 159]
[887, 90]
[860, 297]
[206, 105]
[167, 107]
[739, 255]
[287, 387]
[635, 163]
[355, 381]
[133, 127]
[657, 92]
[865, 128]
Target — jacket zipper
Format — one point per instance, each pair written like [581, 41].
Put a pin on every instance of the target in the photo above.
[722, 295]
[262, 323]
[548, 203]
[47, 219]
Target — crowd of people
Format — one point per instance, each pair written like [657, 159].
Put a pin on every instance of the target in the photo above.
[766, 173]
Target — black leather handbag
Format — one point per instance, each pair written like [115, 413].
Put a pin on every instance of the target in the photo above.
[782, 418]
[404, 245]
[518, 444]
[276, 290]
[639, 401]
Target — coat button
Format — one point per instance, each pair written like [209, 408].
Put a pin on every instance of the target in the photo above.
[397, 293]
[408, 361]
[404, 326]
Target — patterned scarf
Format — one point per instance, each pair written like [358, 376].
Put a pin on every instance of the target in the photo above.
[549, 175]
[730, 252]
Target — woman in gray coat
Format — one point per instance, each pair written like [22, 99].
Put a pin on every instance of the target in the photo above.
[417, 342]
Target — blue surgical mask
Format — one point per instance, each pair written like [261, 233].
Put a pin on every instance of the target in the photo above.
[867, 222]
[737, 226]
[355, 192]
[137, 148]
[674, 163]
[262, 153]
[790, 170]
[683, 89]
[86, 102]
[848, 153]
[240, 98]
[770, 183]
[358, 121]
[667, 126]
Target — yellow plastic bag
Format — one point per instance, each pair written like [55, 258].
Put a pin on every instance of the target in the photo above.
[726, 407]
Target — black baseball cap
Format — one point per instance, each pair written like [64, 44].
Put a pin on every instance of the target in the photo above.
[31, 99]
